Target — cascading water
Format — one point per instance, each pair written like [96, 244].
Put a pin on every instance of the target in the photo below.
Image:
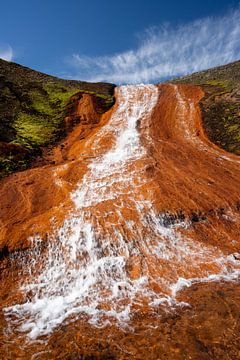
[115, 253]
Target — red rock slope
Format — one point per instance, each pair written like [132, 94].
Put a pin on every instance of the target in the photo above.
[135, 209]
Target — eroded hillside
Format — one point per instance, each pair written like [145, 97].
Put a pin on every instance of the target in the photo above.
[221, 104]
[33, 112]
[133, 229]
[122, 242]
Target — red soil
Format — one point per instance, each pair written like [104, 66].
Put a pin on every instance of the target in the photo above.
[192, 174]
[30, 199]
[187, 178]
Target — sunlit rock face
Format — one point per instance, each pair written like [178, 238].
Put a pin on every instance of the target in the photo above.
[137, 211]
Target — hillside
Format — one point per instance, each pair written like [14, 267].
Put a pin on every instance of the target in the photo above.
[34, 110]
[122, 240]
[127, 246]
[221, 104]
[33, 107]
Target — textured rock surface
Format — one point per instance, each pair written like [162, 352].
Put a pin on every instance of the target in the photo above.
[32, 110]
[194, 188]
[221, 104]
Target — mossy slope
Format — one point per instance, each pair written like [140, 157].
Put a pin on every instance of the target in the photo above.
[32, 108]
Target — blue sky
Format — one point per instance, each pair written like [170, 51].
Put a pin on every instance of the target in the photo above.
[127, 41]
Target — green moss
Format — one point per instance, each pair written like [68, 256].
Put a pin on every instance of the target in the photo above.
[52, 101]
[222, 121]
[9, 164]
[34, 131]
[59, 95]
[40, 103]
[40, 119]
[220, 83]
[41, 122]
[33, 107]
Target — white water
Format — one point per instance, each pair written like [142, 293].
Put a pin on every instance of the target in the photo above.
[86, 268]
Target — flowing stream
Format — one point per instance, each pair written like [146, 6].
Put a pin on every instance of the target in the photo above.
[115, 253]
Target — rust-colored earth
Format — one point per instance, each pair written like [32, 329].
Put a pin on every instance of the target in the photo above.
[166, 202]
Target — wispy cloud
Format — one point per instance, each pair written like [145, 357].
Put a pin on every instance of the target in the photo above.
[167, 51]
[6, 52]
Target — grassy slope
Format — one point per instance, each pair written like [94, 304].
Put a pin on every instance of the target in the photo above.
[32, 108]
[221, 104]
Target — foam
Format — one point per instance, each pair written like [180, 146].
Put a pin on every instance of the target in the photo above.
[85, 270]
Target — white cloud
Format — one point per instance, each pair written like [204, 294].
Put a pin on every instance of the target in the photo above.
[167, 51]
[6, 52]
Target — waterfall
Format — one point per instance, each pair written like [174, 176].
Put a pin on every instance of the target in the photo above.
[114, 252]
